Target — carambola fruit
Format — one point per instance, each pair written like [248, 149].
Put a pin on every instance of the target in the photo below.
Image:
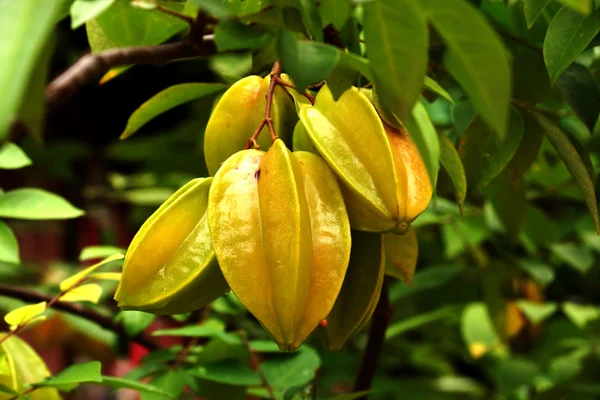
[282, 237]
[360, 292]
[237, 115]
[170, 266]
[383, 177]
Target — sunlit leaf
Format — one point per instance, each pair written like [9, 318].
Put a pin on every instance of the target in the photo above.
[478, 330]
[23, 314]
[166, 100]
[435, 87]
[88, 292]
[69, 378]
[581, 314]
[29, 203]
[73, 280]
[12, 157]
[94, 252]
[537, 312]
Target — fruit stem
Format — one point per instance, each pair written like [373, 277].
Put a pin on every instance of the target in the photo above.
[381, 319]
[255, 364]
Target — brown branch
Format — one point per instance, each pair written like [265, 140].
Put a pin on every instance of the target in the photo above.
[75, 309]
[381, 319]
[92, 65]
[518, 40]
[267, 120]
[255, 363]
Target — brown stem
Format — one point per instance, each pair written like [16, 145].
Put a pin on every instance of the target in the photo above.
[255, 363]
[91, 65]
[104, 321]
[267, 120]
[381, 319]
[518, 40]
[290, 85]
[24, 394]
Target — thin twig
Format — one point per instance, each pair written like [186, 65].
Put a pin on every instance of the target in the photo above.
[25, 393]
[267, 120]
[104, 321]
[315, 382]
[255, 363]
[381, 319]
[176, 14]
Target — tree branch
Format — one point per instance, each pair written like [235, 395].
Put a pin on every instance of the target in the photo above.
[381, 319]
[63, 87]
[75, 309]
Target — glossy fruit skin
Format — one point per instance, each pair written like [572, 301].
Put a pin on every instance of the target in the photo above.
[170, 266]
[282, 237]
[382, 175]
[301, 141]
[238, 113]
[360, 292]
[25, 367]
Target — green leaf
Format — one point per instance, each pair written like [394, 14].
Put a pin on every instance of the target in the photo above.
[95, 252]
[134, 322]
[85, 10]
[98, 39]
[69, 378]
[310, 17]
[396, 36]
[568, 35]
[435, 87]
[240, 8]
[229, 372]
[232, 66]
[166, 100]
[484, 154]
[28, 24]
[509, 203]
[527, 152]
[569, 155]
[126, 25]
[514, 373]
[71, 281]
[172, 382]
[581, 314]
[88, 292]
[209, 328]
[582, 91]
[9, 247]
[297, 370]
[417, 321]
[8, 390]
[30, 203]
[533, 9]
[31, 112]
[351, 396]
[429, 278]
[425, 137]
[536, 312]
[476, 57]
[122, 383]
[306, 62]
[233, 35]
[539, 228]
[582, 6]
[578, 257]
[478, 330]
[335, 12]
[215, 7]
[24, 314]
[453, 165]
[542, 273]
